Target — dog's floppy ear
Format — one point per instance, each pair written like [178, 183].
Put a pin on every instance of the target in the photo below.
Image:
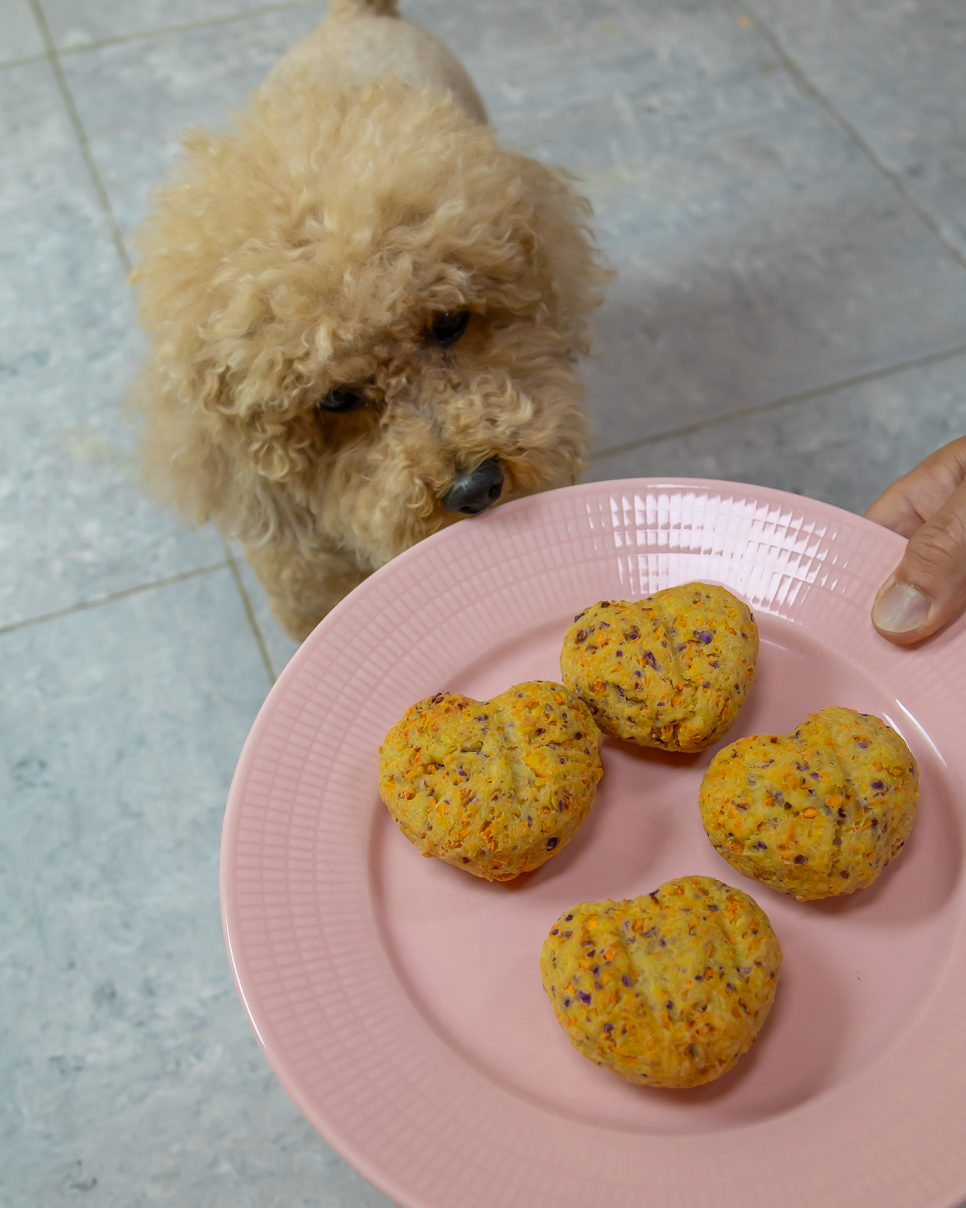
[216, 273]
[183, 459]
[209, 464]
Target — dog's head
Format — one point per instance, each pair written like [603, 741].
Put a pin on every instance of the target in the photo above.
[365, 316]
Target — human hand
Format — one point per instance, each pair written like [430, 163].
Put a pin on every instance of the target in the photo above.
[927, 589]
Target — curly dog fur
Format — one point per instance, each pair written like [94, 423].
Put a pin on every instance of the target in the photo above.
[311, 250]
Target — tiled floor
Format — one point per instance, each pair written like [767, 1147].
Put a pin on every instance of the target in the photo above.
[783, 189]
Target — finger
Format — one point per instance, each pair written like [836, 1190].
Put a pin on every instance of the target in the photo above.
[896, 509]
[927, 589]
[916, 496]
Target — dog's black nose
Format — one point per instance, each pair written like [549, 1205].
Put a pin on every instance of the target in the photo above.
[474, 491]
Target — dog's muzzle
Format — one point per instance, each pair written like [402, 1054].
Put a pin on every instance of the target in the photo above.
[476, 490]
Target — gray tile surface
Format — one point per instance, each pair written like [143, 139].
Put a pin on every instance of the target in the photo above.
[76, 23]
[844, 448]
[775, 280]
[894, 69]
[763, 252]
[19, 35]
[73, 523]
[760, 252]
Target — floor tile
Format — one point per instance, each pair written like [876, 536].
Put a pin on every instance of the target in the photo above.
[844, 448]
[74, 524]
[759, 252]
[19, 35]
[130, 1071]
[797, 283]
[163, 85]
[75, 23]
[894, 69]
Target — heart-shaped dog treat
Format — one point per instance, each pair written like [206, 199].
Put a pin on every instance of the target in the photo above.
[494, 787]
[668, 989]
[671, 670]
[817, 812]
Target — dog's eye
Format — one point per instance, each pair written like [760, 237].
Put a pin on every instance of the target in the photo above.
[341, 400]
[447, 329]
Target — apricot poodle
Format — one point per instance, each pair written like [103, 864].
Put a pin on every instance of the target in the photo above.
[364, 313]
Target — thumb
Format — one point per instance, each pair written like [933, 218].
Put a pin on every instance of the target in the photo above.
[927, 589]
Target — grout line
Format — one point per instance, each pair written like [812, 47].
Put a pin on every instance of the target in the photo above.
[81, 135]
[186, 27]
[865, 147]
[787, 400]
[38, 58]
[92, 168]
[249, 611]
[85, 605]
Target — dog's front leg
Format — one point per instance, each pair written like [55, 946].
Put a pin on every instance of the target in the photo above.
[303, 583]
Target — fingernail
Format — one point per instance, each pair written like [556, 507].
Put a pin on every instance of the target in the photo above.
[901, 608]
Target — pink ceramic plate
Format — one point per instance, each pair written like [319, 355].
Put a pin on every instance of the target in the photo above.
[398, 999]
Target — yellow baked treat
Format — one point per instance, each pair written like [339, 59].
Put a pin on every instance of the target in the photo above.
[817, 812]
[495, 787]
[671, 670]
[668, 989]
